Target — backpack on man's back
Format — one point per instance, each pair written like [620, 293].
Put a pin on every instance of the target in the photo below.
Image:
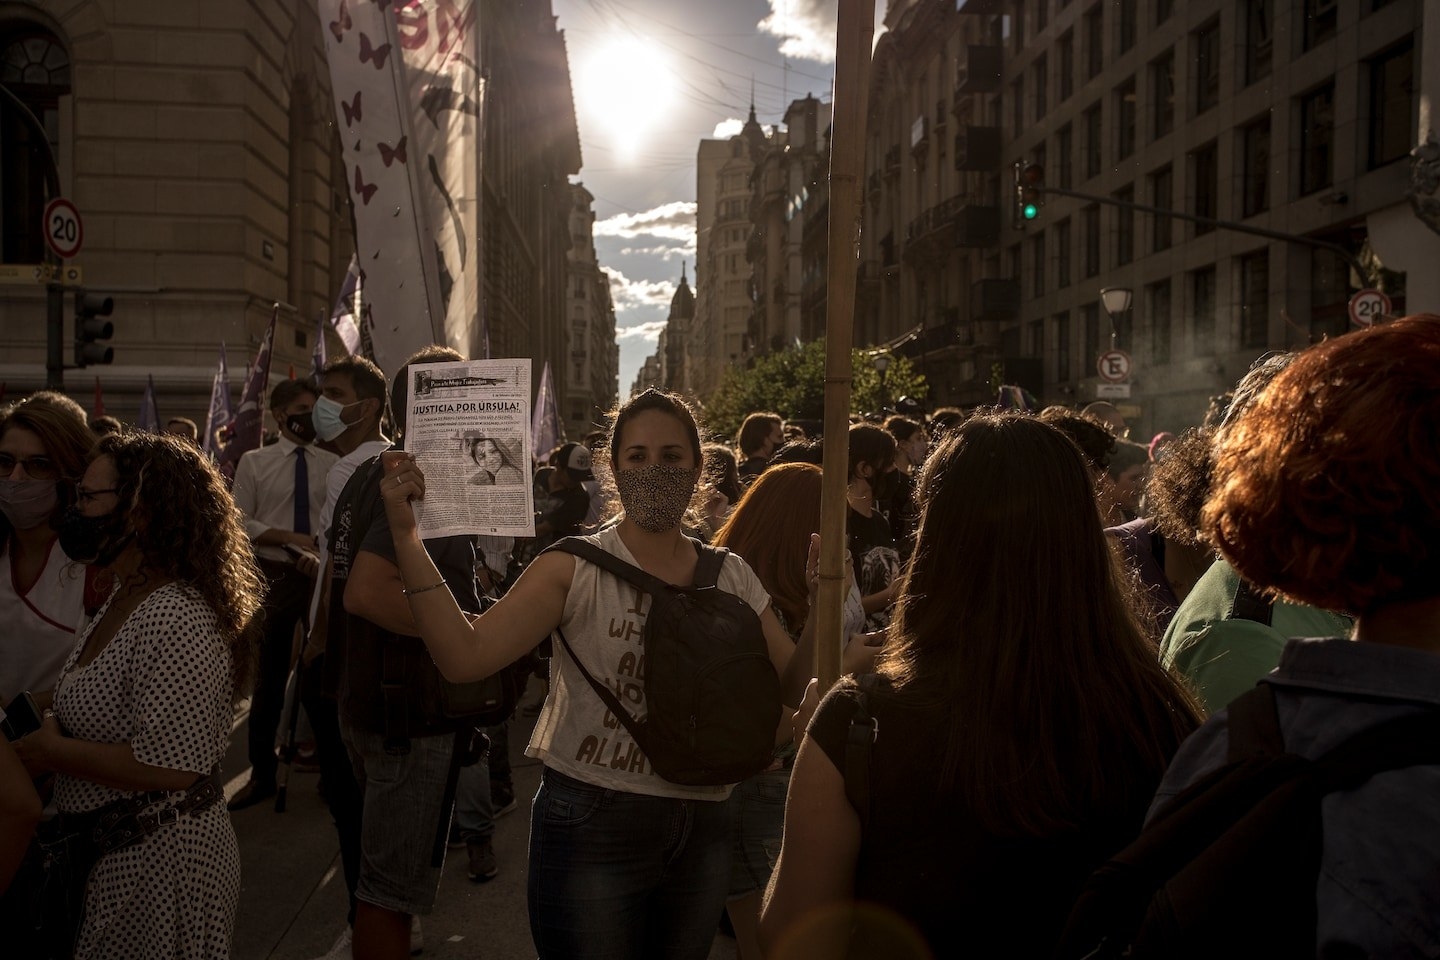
[712, 696]
[1228, 868]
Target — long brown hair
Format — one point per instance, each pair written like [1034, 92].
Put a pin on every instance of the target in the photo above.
[188, 528]
[770, 529]
[1012, 625]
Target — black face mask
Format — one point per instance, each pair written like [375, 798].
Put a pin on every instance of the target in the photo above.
[302, 425]
[886, 485]
[96, 540]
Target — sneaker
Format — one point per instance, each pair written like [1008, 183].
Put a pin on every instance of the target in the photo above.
[500, 811]
[502, 796]
[417, 936]
[341, 950]
[483, 867]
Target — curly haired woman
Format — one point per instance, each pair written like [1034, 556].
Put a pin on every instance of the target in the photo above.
[143, 708]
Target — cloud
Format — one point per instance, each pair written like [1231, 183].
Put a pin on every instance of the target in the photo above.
[664, 253]
[806, 28]
[630, 294]
[669, 221]
[726, 129]
[648, 332]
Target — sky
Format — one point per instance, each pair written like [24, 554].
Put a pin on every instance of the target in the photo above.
[651, 80]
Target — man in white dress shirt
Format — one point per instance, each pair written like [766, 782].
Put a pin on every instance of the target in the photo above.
[280, 490]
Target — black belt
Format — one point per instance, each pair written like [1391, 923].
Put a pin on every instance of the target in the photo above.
[120, 824]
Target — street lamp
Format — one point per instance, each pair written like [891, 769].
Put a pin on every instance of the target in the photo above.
[1116, 301]
[882, 364]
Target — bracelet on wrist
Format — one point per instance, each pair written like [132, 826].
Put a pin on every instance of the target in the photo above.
[410, 593]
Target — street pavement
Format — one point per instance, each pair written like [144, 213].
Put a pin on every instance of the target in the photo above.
[292, 896]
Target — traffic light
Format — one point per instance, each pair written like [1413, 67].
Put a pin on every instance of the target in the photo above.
[1029, 192]
[92, 329]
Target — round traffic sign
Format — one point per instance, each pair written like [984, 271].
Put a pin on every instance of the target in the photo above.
[63, 230]
[1114, 366]
[1369, 305]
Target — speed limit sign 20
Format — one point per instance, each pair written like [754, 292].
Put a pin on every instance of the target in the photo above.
[1369, 306]
[63, 231]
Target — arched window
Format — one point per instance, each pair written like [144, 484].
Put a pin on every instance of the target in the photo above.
[35, 71]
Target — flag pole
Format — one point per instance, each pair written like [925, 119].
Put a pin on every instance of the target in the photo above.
[854, 34]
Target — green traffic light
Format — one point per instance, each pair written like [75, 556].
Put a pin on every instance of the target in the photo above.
[1030, 211]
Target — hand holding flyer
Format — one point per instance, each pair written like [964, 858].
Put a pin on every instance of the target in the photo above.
[468, 429]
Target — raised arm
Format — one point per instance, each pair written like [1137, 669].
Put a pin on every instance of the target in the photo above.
[466, 649]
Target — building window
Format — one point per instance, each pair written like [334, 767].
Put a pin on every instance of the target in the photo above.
[1093, 137]
[1062, 346]
[1162, 94]
[1017, 29]
[1042, 15]
[1202, 310]
[1090, 326]
[1205, 175]
[1067, 66]
[1125, 122]
[1318, 21]
[1162, 195]
[1157, 308]
[1124, 227]
[1090, 239]
[1062, 253]
[1317, 139]
[1255, 299]
[1036, 335]
[1017, 97]
[1037, 264]
[1392, 105]
[1206, 44]
[1329, 295]
[1094, 27]
[1064, 154]
[1259, 41]
[1042, 82]
[35, 69]
[1255, 142]
[1163, 9]
[1125, 32]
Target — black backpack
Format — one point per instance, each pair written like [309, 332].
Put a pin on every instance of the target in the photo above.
[1228, 868]
[712, 696]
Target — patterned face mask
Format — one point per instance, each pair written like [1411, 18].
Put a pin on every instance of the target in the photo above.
[655, 497]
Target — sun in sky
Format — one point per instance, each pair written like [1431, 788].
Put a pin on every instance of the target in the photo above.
[623, 89]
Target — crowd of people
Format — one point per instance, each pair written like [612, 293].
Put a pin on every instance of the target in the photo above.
[1056, 641]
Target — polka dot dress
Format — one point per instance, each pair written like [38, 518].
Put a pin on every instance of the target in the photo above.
[162, 685]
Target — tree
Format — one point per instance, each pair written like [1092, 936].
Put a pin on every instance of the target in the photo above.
[792, 383]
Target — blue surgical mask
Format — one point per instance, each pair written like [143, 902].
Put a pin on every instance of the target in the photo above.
[326, 418]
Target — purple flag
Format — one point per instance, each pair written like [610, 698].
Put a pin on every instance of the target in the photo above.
[149, 419]
[546, 430]
[345, 317]
[249, 424]
[220, 413]
[317, 357]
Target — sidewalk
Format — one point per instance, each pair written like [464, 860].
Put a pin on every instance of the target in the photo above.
[292, 897]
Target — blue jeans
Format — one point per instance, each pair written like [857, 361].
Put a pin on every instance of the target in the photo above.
[474, 810]
[621, 876]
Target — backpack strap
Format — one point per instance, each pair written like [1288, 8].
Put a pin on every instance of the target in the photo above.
[708, 567]
[606, 695]
[859, 745]
[610, 563]
[1255, 725]
[1250, 604]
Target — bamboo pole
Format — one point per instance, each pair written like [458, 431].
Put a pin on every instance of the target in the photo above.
[854, 35]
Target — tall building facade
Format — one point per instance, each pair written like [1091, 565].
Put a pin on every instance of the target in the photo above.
[593, 383]
[1295, 117]
[198, 142]
[724, 303]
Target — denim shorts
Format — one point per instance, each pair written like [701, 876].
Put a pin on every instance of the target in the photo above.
[403, 794]
[758, 827]
[623, 876]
